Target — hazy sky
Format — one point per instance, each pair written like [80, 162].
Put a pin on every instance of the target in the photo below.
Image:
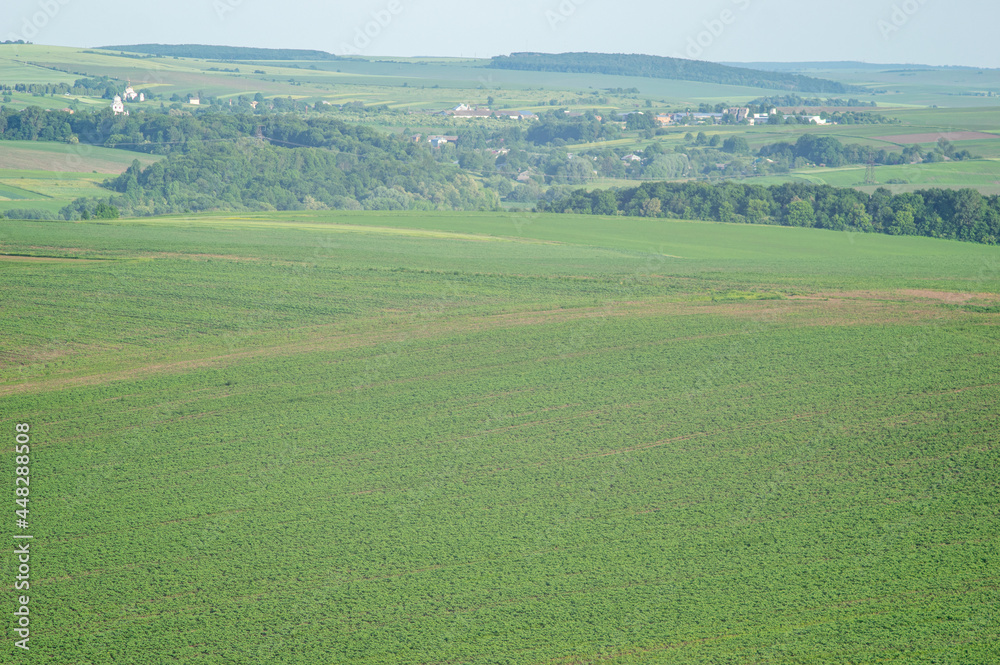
[959, 32]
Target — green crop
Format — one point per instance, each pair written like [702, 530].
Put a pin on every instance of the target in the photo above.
[415, 438]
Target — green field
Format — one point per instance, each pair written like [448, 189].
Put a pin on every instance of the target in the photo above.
[55, 158]
[430, 84]
[948, 87]
[502, 438]
[47, 176]
[982, 175]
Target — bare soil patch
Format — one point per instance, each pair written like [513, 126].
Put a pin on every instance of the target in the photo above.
[949, 297]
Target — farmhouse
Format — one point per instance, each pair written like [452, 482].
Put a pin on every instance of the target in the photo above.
[472, 113]
[466, 111]
[810, 119]
[699, 117]
[438, 141]
[516, 115]
[738, 114]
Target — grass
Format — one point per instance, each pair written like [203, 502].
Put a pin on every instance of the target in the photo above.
[50, 175]
[481, 438]
[983, 175]
[54, 158]
[431, 84]
[46, 190]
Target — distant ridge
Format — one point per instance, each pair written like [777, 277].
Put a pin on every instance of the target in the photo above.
[208, 52]
[841, 64]
[653, 66]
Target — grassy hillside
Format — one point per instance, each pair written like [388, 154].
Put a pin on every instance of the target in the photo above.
[48, 176]
[209, 52]
[384, 438]
[429, 83]
[62, 157]
[983, 175]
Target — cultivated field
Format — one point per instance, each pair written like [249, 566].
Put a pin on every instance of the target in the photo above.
[982, 175]
[53, 157]
[487, 438]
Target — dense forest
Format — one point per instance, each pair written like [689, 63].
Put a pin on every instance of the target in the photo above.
[165, 132]
[937, 213]
[250, 174]
[208, 52]
[652, 66]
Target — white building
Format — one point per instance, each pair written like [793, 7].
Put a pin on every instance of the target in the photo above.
[117, 107]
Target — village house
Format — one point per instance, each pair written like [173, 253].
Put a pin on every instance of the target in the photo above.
[517, 115]
[579, 114]
[738, 114]
[472, 113]
[699, 117]
[438, 141]
[466, 111]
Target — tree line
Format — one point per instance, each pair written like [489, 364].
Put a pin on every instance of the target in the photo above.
[963, 214]
[166, 132]
[829, 151]
[651, 66]
[795, 100]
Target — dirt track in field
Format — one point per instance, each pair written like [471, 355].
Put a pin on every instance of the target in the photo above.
[823, 309]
